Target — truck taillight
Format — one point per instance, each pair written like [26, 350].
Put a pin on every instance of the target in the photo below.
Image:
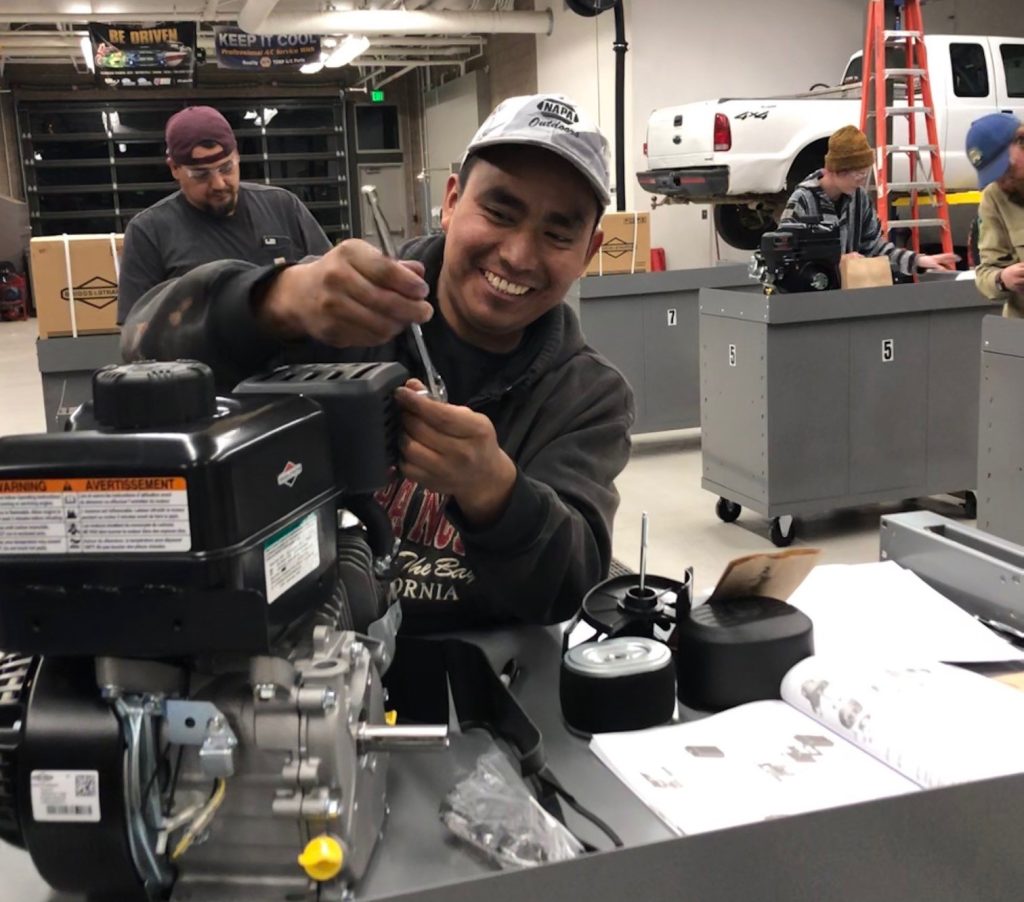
[723, 133]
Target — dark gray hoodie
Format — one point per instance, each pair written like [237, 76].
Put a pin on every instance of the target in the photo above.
[560, 411]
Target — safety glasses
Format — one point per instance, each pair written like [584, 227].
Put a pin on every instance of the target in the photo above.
[201, 176]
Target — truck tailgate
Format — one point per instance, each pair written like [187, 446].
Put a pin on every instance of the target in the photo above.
[681, 135]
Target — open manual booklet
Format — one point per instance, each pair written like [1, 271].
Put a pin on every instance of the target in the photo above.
[843, 733]
[848, 728]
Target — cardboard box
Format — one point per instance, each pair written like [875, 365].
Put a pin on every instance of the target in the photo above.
[93, 284]
[626, 247]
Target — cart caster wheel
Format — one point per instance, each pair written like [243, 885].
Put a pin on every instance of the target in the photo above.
[970, 505]
[727, 510]
[783, 530]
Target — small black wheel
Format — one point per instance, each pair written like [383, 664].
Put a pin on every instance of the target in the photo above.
[727, 510]
[970, 505]
[783, 531]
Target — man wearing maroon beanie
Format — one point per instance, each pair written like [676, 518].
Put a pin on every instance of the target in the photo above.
[213, 216]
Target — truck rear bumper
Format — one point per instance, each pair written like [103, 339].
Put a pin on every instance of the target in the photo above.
[692, 183]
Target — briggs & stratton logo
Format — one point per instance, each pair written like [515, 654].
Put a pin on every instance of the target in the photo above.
[96, 292]
[616, 247]
[289, 474]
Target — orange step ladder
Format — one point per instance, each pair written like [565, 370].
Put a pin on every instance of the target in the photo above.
[924, 161]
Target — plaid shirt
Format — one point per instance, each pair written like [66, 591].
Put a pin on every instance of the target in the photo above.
[859, 229]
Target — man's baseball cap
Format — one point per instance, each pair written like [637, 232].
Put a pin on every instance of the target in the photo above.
[988, 145]
[552, 122]
[197, 126]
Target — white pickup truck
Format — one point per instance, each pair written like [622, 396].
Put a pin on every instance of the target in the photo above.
[746, 155]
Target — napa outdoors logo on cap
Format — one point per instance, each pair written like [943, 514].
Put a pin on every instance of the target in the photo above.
[554, 109]
[289, 474]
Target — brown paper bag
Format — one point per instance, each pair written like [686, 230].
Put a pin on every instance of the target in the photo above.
[865, 272]
[773, 575]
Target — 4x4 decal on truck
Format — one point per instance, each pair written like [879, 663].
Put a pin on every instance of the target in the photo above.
[753, 114]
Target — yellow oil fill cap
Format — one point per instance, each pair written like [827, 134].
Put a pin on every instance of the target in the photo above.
[323, 858]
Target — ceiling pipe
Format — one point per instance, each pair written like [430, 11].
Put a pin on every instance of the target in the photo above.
[378, 50]
[369, 22]
[76, 9]
[255, 13]
[404, 71]
[385, 41]
[41, 52]
[141, 17]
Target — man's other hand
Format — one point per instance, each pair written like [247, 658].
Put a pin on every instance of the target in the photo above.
[352, 296]
[1013, 277]
[454, 450]
[938, 261]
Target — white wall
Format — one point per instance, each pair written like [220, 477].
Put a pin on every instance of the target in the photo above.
[1004, 18]
[451, 117]
[683, 51]
[577, 60]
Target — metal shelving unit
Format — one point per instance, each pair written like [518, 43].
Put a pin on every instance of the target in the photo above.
[91, 166]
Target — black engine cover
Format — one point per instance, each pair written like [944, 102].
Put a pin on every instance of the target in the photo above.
[70, 729]
[207, 529]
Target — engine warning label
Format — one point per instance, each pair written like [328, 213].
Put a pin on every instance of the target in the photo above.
[94, 516]
[69, 796]
[289, 555]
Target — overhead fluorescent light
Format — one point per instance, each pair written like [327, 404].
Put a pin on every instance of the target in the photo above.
[313, 67]
[87, 53]
[347, 50]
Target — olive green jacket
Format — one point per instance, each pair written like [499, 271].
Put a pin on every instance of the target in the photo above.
[1000, 244]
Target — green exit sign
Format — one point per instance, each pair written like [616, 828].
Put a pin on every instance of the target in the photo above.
[377, 96]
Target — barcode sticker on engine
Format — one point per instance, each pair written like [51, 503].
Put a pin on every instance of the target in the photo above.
[289, 555]
[66, 796]
[94, 516]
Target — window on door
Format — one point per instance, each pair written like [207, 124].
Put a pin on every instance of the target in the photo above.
[1013, 65]
[970, 70]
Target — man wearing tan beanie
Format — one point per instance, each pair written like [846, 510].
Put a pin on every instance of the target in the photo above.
[836, 195]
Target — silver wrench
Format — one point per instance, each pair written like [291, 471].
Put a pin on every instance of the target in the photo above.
[435, 384]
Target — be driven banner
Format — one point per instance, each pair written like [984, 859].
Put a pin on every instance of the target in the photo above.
[158, 54]
[237, 49]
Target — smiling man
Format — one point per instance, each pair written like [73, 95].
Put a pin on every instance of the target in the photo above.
[213, 216]
[505, 497]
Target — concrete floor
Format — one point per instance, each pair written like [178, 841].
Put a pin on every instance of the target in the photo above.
[663, 479]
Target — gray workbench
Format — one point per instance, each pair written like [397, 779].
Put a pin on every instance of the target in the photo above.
[1001, 429]
[950, 845]
[982, 573]
[66, 366]
[646, 324]
[818, 401]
